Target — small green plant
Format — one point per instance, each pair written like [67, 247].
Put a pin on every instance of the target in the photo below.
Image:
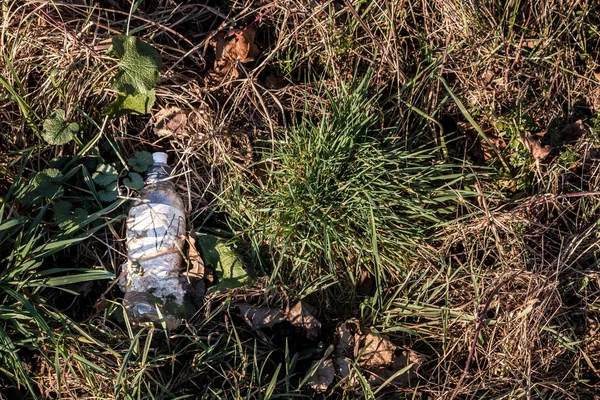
[138, 74]
[134, 181]
[106, 176]
[140, 161]
[45, 184]
[57, 130]
[222, 256]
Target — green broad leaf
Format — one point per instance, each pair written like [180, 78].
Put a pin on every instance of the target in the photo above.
[57, 130]
[140, 161]
[62, 210]
[45, 184]
[109, 193]
[59, 162]
[208, 249]
[105, 175]
[134, 181]
[138, 67]
[138, 74]
[65, 218]
[139, 103]
[225, 262]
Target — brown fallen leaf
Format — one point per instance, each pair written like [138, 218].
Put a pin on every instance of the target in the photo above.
[344, 349]
[193, 277]
[237, 46]
[170, 121]
[534, 145]
[241, 45]
[480, 148]
[196, 263]
[344, 335]
[300, 316]
[217, 42]
[374, 351]
[377, 355]
[265, 317]
[260, 317]
[342, 366]
[323, 376]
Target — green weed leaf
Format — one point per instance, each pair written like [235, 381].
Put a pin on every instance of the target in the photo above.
[61, 210]
[109, 193]
[140, 161]
[208, 249]
[226, 263]
[140, 103]
[65, 218]
[134, 181]
[139, 65]
[57, 130]
[44, 185]
[137, 76]
[105, 175]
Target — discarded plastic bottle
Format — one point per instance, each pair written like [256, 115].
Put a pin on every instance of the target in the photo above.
[155, 229]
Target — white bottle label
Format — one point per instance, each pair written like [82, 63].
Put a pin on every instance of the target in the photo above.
[154, 229]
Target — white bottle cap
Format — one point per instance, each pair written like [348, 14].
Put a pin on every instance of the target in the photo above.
[159, 157]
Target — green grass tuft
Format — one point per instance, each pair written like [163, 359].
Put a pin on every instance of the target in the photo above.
[339, 195]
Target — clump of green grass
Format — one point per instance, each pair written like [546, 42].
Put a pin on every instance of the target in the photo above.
[340, 196]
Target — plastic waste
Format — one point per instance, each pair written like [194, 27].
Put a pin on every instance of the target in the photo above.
[154, 291]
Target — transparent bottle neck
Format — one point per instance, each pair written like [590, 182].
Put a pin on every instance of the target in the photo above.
[158, 173]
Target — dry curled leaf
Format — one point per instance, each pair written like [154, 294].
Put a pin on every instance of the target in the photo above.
[323, 376]
[344, 348]
[241, 45]
[374, 351]
[237, 46]
[383, 360]
[300, 316]
[196, 264]
[375, 354]
[170, 121]
[344, 335]
[260, 317]
[534, 145]
[265, 317]
[194, 276]
[342, 366]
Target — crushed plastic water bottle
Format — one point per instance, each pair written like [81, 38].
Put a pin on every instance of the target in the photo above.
[154, 290]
